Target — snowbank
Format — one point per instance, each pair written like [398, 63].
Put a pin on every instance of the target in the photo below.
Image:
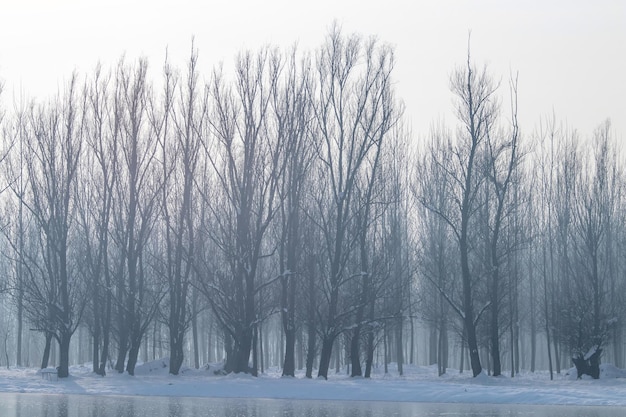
[419, 384]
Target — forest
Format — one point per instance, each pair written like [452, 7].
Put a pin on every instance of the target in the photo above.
[283, 214]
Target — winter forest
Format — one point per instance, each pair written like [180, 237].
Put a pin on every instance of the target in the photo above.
[280, 212]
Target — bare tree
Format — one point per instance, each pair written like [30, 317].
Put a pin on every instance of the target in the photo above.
[53, 151]
[137, 192]
[247, 164]
[179, 126]
[476, 110]
[588, 315]
[354, 110]
[291, 112]
[13, 164]
[503, 157]
[95, 202]
[436, 244]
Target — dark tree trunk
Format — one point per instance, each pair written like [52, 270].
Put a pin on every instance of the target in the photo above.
[122, 349]
[194, 331]
[311, 351]
[369, 357]
[257, 342]
[20, 322]
[46, 351]
[442, 348]
[327, 350]
[96, 348]
[176, 352]
[355, 352]
[238, 357]
[400, 345]
[470, 327]
[495, 333]
[104, 355]
[133, 354]
[106, 329]
[289, 365]
[533, 319]
[432, 345]
[64, 354]
[311, 319]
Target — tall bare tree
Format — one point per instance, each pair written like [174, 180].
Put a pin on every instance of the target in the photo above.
[53, 150]
[95, 201]
[247, 164]
[354, 109]
[137, 192]
[476, 109]
[291, 113]
[179, 123]
[502, 159]
[437, 244]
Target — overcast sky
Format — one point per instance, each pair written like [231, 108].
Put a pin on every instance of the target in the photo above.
[570, 55]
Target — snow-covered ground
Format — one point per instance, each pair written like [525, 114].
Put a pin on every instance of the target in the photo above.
[419, 384]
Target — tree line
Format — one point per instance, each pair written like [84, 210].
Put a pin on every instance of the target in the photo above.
[286, 205]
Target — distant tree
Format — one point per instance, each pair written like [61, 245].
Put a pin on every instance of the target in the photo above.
[587, 312]
[95, 203]
[137, 192]
[392, 266]
[354, 110]
[476, 108]
[436, 245]
[247, 164]
[178, 123]
[54, 291]
[291, 113]
[502, 159]
[13, 166]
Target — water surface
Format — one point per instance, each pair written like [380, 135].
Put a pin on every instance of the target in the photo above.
[52, 405]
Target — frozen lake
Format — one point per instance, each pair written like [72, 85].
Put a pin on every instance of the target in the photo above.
[55, 405]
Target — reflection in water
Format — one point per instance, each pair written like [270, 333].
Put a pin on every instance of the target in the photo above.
[34, 405]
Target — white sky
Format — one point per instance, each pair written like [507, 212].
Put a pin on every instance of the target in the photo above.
[570, 55]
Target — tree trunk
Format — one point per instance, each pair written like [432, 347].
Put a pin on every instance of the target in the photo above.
[20, 322]
[327, 350]
[133, 354]
[462, 360]
[194, 331]
[300, 345]
[355, 352]
[311, 350]
[442, 348]
[385, 350]
[432, 345]
[46, 351]
[176, 350]
[495, 337]
[399, 346]
[533, 319]
[311, 319]
[64, 354]
[257, 343]
[470, 329]
[95, 355]
[122, 351]
[289, 365]
[369, 357]
[104, 355]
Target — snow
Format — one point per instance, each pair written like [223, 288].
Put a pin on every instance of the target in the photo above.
[419, 384]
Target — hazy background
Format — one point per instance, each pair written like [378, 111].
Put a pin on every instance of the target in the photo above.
[570, 55]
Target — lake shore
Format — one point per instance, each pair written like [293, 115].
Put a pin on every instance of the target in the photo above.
[419, 384]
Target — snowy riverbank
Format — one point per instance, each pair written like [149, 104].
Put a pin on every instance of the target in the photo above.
[419, 384]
